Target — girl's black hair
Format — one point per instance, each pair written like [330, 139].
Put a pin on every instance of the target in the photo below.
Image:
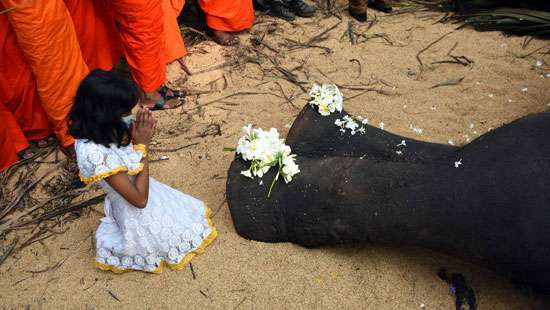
[101, 100]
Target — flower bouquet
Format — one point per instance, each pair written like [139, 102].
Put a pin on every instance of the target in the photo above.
[264, 149]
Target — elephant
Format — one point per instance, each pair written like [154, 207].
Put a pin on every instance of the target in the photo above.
[487, 201]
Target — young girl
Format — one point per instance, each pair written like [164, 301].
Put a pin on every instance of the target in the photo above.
[147, 224]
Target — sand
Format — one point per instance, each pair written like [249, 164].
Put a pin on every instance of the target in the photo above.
[235, 273]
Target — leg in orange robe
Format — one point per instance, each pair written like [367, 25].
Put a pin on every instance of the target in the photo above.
[228, 15]
[21, 114]
[12, 139]
[47, 37]
[96, 32]
[173, 42]
[140, 24]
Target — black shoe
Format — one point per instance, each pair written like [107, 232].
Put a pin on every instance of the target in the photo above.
[300, 8]
[360, 17]
[380, 5]
[277, 9]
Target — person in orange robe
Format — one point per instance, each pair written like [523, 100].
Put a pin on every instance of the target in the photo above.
[47, 38]
[150, 38]
[96, 33]
[225, 17]
[21, 114]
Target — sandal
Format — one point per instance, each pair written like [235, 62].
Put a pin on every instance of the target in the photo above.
[69, 151]
[26, 154]
[43, 143]
[161, 104]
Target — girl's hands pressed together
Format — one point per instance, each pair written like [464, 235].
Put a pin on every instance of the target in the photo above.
[144, 127]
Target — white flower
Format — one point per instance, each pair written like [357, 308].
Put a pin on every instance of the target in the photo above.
[399, 152]
[290, 168]
[451, 142]
[327, 98]
[362, 130]
[324, 109]
[402, 143]
[382, 125]
[458, 163]
[338, 122]
[365, 121]
[247, 130]
[247, 173]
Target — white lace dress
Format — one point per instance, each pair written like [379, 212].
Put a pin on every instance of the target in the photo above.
[170, 231]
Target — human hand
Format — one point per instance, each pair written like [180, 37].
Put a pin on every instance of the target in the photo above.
[144, 127]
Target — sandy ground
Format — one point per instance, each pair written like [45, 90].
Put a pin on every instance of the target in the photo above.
[236, 273]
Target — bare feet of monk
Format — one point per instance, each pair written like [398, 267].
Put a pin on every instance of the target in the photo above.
[224, 38]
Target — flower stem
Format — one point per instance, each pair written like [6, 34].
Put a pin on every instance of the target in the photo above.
[273, 184]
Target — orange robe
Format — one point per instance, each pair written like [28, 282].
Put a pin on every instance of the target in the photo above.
[173, 41]
[139, 24]
[148, 35]
[96, 32]
[47, 37]
[228, 15]
[21, 115]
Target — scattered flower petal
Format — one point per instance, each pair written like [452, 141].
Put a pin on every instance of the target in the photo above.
[458, 163]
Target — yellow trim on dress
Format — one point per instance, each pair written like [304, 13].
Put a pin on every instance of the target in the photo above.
[183, 262]
[142, 148]
[106, 174]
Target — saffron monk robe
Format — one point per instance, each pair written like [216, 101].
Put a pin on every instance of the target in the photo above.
[23, 118]
[46, 36]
